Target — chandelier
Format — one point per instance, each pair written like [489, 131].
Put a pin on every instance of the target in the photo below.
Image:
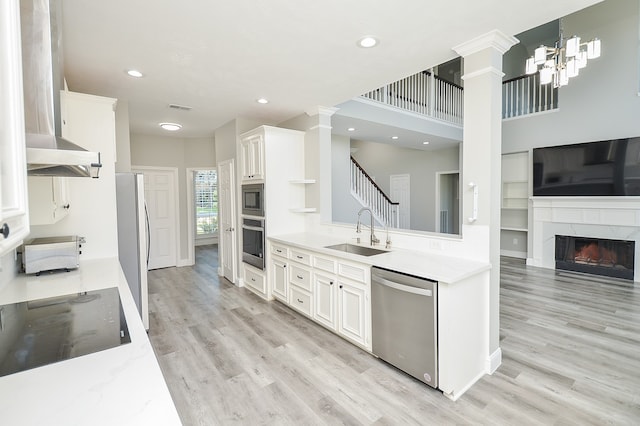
[560, 63]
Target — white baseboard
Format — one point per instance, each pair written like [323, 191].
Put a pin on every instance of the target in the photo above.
[513, 253]
[494, 361]
[184, 262]
[454, 396]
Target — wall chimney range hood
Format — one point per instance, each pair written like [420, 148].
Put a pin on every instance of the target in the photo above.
[48, 153]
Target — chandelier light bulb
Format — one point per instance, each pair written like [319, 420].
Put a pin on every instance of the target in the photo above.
[593, 49]
[530, 66]
[540, 54]
[573, 46]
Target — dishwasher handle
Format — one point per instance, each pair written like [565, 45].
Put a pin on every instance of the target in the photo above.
[402, 287]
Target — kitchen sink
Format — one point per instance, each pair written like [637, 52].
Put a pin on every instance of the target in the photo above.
[354, 249]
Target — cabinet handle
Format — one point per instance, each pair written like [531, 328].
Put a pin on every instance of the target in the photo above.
[299, 277]
[330, 282]
[66, 206]
[284, 266]
[253, 279]
[340, 285]
[278, 251]
[299, 301]
[5, 230]
[299, 257]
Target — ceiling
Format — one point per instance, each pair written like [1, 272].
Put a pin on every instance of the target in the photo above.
[218, 57]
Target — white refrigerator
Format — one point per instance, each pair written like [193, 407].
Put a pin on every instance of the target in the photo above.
[133, 238]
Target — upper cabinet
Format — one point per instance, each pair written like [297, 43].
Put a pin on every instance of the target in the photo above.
[14, 220]
[48, 198]
[252, 158]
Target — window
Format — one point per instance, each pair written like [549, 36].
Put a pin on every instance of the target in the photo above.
[206, 199]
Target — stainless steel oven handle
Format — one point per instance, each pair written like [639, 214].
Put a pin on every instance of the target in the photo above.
[253, 228]
[401, 287]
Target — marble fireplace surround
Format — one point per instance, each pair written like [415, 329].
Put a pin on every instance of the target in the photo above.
[616, 218]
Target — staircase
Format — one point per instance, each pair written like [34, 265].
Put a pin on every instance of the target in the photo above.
[369, 194]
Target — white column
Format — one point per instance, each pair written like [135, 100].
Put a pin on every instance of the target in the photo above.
[318, 160]
[481, 156]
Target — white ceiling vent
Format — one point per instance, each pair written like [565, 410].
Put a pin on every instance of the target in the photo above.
[180, 107]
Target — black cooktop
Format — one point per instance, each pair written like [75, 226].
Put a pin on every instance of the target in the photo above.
[44, 331]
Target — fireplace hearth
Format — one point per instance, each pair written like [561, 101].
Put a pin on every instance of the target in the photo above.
[599, 256]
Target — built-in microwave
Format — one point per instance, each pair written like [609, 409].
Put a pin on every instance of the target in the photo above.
[253, 199]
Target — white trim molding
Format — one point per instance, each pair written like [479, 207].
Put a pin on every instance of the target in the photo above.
[494, 361]
[495, 39]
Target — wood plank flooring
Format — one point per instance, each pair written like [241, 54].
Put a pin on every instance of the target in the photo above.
[570, 344]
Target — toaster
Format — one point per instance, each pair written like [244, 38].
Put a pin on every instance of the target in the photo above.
[51, 253]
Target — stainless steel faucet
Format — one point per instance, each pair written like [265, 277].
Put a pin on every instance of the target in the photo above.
[373, 238]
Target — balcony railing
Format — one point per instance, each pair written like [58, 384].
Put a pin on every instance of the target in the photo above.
[425, 94]
[429, 95]
[525, 95]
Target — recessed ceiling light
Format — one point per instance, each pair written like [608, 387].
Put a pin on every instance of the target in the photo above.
[394, 137]
[134, 73]
[367, 41]
[425, 143]
[172, 127]
[351, 129]
[262, 101]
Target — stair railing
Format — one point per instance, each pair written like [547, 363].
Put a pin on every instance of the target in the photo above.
[369, 194]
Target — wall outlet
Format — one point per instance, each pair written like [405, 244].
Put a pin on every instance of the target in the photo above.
[515, 241]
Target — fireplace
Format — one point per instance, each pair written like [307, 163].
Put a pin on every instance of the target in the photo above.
[599, 256]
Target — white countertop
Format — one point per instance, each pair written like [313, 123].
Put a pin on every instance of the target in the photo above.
[444, 269]
[118, 386]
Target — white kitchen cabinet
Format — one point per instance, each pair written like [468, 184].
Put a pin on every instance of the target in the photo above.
[334, 293]
[326, 298]
[280, 279]
[354, 316]
[14, 217]
[255, 279]
[49, 199]
[252, 158]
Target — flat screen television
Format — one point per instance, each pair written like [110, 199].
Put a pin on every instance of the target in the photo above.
[603, 168]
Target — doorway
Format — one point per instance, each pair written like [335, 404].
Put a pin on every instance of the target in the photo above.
[160, 195]
[202, 209]
[400, 192]
[448, 202]
[227, 219]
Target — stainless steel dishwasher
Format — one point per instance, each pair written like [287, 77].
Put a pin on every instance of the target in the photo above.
[404, 312]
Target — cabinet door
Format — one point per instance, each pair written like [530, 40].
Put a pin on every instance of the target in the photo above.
[324, 293]
[252, 158]
[280, 280]
[352, 319]
[48, 198]
[14, 220]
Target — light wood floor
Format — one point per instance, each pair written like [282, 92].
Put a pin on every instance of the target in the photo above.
[570, 344]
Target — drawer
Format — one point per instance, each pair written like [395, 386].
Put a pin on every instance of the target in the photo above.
[255, 280]
[324, 263]
[300, 276]
[354, 271]
[300, 256]
[300, 300]
[278, 250]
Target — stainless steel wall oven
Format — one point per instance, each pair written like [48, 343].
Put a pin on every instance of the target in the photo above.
[253, 242]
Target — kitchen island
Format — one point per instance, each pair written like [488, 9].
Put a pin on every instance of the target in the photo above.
[122, 385]
[462, 297]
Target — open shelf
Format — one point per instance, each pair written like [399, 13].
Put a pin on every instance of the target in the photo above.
[302, 181]
[304, 210]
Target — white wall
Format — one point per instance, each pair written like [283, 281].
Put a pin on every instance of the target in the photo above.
[181, 153]
[123, 140]
[383, 160]
[602, 102]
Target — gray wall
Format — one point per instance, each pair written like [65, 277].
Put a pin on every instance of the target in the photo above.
[344, 206]
[383, 160]
[602, 102]
[158, 151]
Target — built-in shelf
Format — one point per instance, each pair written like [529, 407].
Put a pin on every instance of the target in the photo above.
[304, 210]
[506, 228]
[302, 181]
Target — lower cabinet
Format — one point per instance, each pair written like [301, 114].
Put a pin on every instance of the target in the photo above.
[279, 279]
[334, 293]
[354, 316]
[324, 290]
[255, 279]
